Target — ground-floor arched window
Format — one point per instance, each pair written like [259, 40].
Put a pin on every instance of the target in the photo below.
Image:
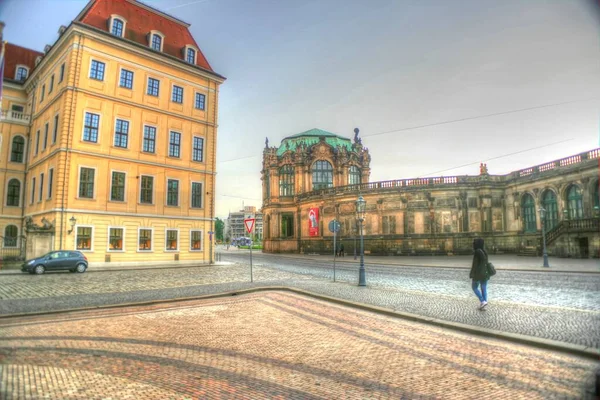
[528, 205]
[574, 202]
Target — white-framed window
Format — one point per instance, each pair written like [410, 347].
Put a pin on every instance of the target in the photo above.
[156, 40]
[200, 101]
[145, 239]
[146, 189]
[17, 152]
[171, 239]
[116, 239]
[86, 182]
[174, 144]
[62, 73]
[46, 130]
[190, 54]
[13, 193]
[117, 25]
[84, 239]
[55, 130]
[118, 180]
[173, 192]
[177, 94]
[196, 240]
[121, 133]
[97, 70]
[126, 79]
[11, 236]
[196, 195]
[149, 139]
[91, 127]
[153, 88]
[21, 72]
[50, 182]
[198, 149]
[41, 195]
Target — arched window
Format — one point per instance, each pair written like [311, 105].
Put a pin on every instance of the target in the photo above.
[18, 149]
[354, 175]
[117, 27]
[549, 204]
[322, 175]
[574, 202]
[13, 193]
[528, 205]
[10, 236]
[286, 181]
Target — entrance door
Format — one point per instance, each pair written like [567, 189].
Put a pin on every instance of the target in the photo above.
[584, 249]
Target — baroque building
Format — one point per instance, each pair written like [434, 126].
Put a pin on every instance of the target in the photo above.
[109, 140]
[315, 177]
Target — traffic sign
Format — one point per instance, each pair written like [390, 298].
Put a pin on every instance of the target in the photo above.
[334, 226]
[249, 224]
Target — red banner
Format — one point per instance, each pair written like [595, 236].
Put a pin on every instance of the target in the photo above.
[313, 222]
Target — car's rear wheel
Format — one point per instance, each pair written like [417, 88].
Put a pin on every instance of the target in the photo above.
[80, 268]
[39, 269]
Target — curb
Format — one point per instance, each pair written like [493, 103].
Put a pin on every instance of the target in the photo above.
[547, 344]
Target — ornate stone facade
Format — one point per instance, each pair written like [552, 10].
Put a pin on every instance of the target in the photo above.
[439, 215]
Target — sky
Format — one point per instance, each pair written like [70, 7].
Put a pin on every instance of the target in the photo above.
[435, 87]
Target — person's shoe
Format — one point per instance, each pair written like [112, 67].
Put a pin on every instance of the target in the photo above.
[483, 305]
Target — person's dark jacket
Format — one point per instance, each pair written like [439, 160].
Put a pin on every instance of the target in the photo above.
[480, 259]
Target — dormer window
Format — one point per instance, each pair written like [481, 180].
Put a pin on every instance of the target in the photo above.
[116, 25]
[156, 40]
[191, 56]
[190, 53]
[21, 73]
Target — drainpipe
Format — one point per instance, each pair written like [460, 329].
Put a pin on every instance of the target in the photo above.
[67, 151]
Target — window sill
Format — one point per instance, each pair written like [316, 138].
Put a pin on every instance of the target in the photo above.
[145, 204]
[171, 206]
[115, 251]
[145, 251]
[89, 142]
[85, 198]
[196, 250]
[171, 251]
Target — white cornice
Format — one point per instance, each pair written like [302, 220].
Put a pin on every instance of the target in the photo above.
[123, 214]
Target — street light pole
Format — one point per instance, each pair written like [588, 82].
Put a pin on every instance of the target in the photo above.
[361, 205]
[355, 233]
[566, 219]
[543, 217]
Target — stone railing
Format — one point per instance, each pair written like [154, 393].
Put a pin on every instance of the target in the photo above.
[14, 116]
[563, 162]
[573, 225]
[449, 181]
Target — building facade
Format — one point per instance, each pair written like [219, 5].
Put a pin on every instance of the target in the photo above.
[120, 127]
[235, 227]
[439, 215]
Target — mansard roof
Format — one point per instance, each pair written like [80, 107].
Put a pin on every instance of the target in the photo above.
[141, 19]
[311, 137]
[17, 55]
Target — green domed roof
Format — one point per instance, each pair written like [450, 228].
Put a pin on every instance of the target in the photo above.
[311, 137]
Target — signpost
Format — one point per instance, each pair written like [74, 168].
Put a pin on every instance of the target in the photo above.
[249, 223]
[334, 226]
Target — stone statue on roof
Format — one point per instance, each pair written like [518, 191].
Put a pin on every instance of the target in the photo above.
[266, 142]
[356, 138]
[483, 169]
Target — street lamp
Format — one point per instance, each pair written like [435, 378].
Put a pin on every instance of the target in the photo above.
[73, 221]
[542, 211]
[361, 208]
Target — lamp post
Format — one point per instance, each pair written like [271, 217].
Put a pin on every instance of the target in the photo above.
[361, 206]
[542, 211]
[355, 233]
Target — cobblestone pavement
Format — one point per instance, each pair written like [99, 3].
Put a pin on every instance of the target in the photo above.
[269, 345]
[59, 291]
[573, 290]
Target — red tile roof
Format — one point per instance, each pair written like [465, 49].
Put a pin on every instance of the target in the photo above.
[18, 55]
[141, 19]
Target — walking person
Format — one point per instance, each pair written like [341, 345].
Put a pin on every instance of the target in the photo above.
[342, 250]
[479, 272]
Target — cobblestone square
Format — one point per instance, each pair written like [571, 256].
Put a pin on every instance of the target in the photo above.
[268, 345]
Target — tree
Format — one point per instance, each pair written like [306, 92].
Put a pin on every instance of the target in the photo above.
[219, 225]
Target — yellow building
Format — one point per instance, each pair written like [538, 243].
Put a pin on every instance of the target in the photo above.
[121, 125]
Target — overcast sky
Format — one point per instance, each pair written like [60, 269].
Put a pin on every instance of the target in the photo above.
[436, 87]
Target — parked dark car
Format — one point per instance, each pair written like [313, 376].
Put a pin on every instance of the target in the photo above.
[73, 261]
